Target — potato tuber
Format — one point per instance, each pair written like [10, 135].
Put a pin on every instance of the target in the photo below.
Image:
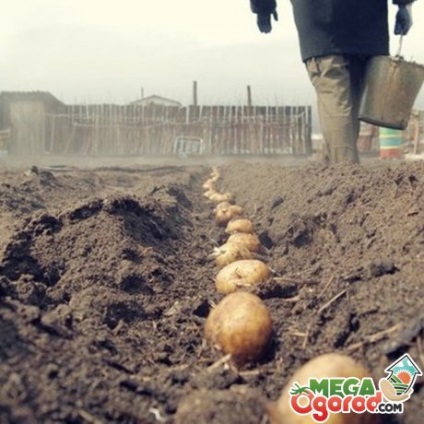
[251, 241]
[230, 252]
[208, 185]
[241, 273]
[225, 214]
[240, 325]
[222, 197]
[240, 225]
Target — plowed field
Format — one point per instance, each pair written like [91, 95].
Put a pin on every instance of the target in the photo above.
[105, 286]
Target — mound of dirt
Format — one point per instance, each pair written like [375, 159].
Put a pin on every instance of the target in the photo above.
[105, 286]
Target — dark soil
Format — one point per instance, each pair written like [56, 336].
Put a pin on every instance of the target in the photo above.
[105, 286]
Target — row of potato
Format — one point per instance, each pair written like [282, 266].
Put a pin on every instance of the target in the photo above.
[240, 324]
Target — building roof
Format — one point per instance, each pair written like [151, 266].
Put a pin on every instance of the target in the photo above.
[155, 99]
[43, 96]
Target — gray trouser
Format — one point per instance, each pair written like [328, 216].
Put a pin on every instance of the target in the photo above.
[338, 82]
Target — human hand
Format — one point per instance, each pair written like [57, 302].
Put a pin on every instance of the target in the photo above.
[264, 21]
[403, 21]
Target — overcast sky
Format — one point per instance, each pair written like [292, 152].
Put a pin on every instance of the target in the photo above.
[108, 50]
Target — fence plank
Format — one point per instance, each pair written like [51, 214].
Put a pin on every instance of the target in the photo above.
[151, 130]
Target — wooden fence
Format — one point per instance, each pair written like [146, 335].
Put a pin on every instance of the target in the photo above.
[152, 130]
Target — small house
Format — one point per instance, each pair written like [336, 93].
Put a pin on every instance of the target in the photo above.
[23, 117]
[156, 101]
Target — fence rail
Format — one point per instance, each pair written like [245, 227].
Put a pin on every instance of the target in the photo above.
[152, 130]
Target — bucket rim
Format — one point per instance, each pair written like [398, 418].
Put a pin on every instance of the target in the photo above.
[395, 59]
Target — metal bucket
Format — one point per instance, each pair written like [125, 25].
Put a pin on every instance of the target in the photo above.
[391, 87]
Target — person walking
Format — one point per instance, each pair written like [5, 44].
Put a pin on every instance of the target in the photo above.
[337, 38]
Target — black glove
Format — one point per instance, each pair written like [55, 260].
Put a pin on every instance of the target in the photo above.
[403, 20]
[264, 21]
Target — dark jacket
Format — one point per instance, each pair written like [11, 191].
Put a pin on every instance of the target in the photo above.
[327, 27]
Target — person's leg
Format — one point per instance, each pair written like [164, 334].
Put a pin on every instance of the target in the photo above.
[338, 104]
[357, 65]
